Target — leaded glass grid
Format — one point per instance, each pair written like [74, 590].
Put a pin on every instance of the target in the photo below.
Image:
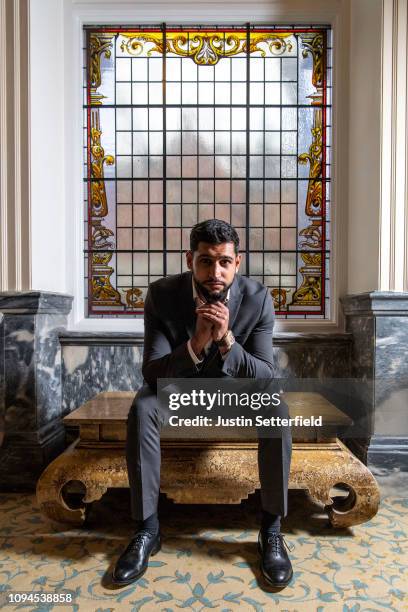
[184, 124]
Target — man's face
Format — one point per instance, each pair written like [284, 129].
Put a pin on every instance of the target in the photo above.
[213, 267]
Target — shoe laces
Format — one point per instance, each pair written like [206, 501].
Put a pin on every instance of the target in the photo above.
[277, 540]
[138, 539]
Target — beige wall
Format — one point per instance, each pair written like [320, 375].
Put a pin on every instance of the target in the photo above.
[364, 146]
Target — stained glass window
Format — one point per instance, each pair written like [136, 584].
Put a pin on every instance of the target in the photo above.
[188, 124]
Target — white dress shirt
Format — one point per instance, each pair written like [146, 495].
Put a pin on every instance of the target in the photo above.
[199, 302]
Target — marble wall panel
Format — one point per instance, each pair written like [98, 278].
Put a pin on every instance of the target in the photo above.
[2, 389]
[92, 364]
[362, 328]
[391, 384]
[47, 349]
[88, 370]
[32, 370]
[312, 355]
[379, 324]
[34, 432]
[20, 413]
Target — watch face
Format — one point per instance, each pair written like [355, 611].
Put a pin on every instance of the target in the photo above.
[227, 341]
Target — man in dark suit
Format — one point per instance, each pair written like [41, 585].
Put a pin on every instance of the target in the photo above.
[208, 322]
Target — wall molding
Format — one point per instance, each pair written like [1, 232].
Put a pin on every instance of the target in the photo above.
[3, 148]
[14, 152]
[394, 151]
[17, 141]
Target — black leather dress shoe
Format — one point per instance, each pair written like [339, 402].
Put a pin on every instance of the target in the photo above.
[133, 562]
[275, 563]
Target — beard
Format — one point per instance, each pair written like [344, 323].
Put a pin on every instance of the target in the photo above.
[212, 296]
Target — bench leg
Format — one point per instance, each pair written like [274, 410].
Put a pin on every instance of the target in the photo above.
[95, 470]
[320, 470]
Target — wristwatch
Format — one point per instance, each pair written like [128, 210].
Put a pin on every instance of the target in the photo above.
[226, 341]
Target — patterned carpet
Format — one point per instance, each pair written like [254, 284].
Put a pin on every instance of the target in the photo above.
[209, 558]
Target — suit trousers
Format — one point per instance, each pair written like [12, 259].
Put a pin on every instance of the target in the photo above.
[143, 458]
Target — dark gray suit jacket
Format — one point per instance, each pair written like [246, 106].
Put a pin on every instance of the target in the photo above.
[170, 321]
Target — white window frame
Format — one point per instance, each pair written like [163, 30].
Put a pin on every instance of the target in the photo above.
[57, 209]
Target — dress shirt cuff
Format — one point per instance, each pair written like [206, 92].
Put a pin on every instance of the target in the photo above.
[224, 355]
[193, 356]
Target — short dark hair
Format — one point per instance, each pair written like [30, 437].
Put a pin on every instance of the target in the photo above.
[213, 231]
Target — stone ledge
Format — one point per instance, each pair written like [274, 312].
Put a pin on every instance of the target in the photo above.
[390, 303]
[80, 338]
[35, 302]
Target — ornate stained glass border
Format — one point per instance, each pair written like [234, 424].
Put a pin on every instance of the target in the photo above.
[187, 123]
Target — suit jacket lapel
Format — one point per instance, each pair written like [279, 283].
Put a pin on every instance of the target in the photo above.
[234, 302]
[188, 305]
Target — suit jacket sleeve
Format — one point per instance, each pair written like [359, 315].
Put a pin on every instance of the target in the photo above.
[255, 358]
[160, 360]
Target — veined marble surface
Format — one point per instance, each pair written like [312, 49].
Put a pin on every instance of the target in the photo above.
[34, 302]
[2, 425]
[33, 370]
[94, 363]
[88, 370]
[391, 382]
[379, 324]
[32, 392]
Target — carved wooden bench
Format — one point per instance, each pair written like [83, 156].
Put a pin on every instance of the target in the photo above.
[205, 471]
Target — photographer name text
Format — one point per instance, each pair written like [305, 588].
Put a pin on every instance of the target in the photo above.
[257, 421]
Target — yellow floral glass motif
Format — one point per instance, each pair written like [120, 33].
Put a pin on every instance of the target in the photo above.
[206, 48]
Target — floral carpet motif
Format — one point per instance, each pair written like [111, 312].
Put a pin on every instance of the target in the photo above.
[209, 558]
